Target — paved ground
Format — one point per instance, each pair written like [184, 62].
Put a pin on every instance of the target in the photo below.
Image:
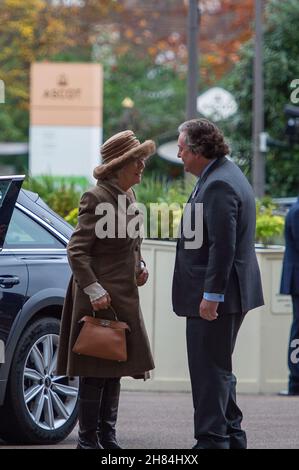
[164, 421]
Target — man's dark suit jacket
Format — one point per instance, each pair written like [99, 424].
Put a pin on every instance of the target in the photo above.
[290, 270]
[226, 262]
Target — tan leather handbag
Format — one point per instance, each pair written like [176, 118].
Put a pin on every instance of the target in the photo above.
[105, 339]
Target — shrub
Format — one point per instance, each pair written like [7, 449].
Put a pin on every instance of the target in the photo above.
[61, 194]
[72, 217]
[269, 225]
[157, 194]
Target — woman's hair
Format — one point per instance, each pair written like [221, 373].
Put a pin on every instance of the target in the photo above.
[203, 137]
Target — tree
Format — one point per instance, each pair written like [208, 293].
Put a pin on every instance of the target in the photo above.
[37, 30]
[148, 97]
[281, 67]
[28, 33]
[109, 31]
[158, 29]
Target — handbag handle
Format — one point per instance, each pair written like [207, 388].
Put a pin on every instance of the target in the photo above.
[111, 308]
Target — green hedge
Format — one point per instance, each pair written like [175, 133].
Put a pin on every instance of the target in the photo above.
[63, 195]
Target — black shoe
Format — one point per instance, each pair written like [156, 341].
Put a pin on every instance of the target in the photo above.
[287, 393]
[238, 440]
[209, 443]
[108, 414]
[110, 444]
[197, 446]
[88, 418]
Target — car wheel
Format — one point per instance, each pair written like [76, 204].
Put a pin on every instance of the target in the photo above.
[41, 407]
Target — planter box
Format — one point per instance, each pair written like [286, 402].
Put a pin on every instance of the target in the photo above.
[260, 357]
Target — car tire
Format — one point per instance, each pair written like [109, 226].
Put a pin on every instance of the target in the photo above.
[18, 423]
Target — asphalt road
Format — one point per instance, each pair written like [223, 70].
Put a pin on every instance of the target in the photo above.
[155, 420]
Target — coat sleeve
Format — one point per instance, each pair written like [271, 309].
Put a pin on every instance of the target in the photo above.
[80, 246]
[220, 211]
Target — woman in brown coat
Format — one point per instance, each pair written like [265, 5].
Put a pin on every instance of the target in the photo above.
[107, 270]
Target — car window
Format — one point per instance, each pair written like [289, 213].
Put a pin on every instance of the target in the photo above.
[3, 190]
[24, 232]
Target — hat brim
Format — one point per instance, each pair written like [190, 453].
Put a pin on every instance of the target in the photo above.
[144, 150]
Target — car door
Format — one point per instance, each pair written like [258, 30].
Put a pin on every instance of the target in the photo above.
[13, 271]
[43, 253]
[43, 406]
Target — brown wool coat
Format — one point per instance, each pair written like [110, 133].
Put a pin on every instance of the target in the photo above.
[114, 264]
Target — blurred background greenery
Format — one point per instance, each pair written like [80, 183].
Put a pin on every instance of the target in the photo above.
[142, 46]
[63, 196]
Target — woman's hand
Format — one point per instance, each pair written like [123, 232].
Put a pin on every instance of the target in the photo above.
[142, 277]
[102, 303]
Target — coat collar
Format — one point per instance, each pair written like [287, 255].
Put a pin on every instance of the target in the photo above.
[216, 164]
[201, 180]
[115, 190]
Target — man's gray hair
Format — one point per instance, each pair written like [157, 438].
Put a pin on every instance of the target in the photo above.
[204, 138]
[183, 128]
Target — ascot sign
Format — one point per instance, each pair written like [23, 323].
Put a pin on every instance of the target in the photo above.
[66, 104]
[62, 91]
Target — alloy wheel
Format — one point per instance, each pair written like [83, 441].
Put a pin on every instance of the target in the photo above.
[50, 399]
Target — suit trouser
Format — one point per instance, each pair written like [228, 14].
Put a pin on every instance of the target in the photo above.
[217, 418]
[293, 348]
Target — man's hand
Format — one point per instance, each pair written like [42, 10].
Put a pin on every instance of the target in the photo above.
[101, 303]
[208, 310]
[142, 277]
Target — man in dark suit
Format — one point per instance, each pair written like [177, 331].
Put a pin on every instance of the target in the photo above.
[214, 285]
[290, 285]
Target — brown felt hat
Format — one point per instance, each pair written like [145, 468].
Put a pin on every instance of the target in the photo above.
[120, 149]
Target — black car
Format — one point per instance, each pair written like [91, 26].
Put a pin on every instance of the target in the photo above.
[36, 405]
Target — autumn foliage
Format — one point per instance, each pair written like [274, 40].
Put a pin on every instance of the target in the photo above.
[105, 30]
